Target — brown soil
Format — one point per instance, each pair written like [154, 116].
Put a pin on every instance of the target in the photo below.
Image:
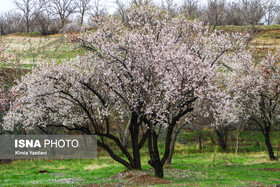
[255, 183]
[147, 180]
[8, 161]
[273, 31]
[135, 177]
[102, 185]
[132, 178]
[268, 169]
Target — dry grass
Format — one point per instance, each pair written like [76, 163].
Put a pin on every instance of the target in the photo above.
[95, 166]
[31, 50]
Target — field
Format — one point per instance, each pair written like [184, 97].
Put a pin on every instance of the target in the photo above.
[29, 49]
[207, 169]
[212, 167]
[250, 166]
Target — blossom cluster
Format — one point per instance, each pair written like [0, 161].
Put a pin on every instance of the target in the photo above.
[159, 67]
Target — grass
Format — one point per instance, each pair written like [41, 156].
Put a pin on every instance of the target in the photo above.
[25, 172]
[31, 34]
[210, 168]
[206, 169]
[234, 28]
[268, 36]
[249, 141]
[29, 50]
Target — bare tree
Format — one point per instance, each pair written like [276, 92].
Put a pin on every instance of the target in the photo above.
[239, 128]
[215, 12]
[97, 9]
[254, 10]
[42, 17]
[199, 125]
[273, 8]
[277, 18]
[141, 2]
[121, 7]
[27, 7]
[169, 6]
[14, 22]
[233, 14]
[83, 6]
[63, 9]
[121, 10]
[190, 8]
[3, 24]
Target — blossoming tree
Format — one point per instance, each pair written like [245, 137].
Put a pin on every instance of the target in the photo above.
[256, 88]
[4, 95]
[151, 72]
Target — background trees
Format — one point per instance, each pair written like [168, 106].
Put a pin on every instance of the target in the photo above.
[215, 12]
[83, 6]
[63, 9]
[27, 7]
[42, 15]
[254, 10]
[191, 8]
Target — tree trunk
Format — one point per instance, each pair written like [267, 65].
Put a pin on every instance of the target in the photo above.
[237, 143]
[134, 132]
[154, 161]
[156, 164]
[27, 27]
[82, 19]
[222, 134]
[211, 138]
[268, 145]
[222, 143]
[159, 170]
[200, 141]
[172, 144]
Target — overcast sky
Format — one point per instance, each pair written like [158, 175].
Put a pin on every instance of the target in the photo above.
[6, 5]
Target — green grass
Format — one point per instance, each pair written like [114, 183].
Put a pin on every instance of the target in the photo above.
[206, 169]
[250, 167]
[25, 172]
[234, 28]
[226, 169]
[249, 141]
[31, 34]
[29, 50]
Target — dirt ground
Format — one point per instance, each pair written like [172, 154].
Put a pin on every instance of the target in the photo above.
[133, 178]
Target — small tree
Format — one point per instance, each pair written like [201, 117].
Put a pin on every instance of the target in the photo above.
[121, 10]
[27, 7]
[62, 8]
[215, 12]
[190, 8]
[2, 96]
[169, 6]
[83, 7]
[256, 89]
[254, 10]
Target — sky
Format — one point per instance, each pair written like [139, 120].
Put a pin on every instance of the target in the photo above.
[6, 5]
